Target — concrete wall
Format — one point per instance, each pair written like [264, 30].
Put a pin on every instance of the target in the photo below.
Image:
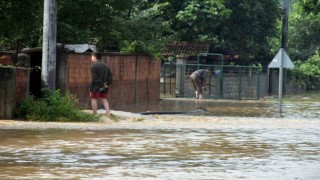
[7, 93]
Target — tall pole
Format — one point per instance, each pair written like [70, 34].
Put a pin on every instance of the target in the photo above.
[48, 69]
[284, 39]
[280, 83]
[285, 20]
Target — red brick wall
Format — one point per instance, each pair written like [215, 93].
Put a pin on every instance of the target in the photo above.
[22, 76]
[78, 76]
[136, 79]
[22, 81]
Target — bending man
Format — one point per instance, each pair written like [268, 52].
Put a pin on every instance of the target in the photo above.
[198, 80]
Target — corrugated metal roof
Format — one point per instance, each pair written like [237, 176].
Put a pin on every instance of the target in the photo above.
[182, 48]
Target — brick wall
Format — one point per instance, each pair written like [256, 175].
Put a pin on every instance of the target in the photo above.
[22, 80]
[78, 75]
[22, 76]
[136, 79]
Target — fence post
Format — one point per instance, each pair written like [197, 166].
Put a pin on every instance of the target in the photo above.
[180, 75]
[258, 83]
[240, 82]
[164, 78]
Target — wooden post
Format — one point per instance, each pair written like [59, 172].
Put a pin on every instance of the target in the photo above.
[48, 69]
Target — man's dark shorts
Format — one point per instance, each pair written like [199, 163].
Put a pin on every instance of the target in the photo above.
[99, 94]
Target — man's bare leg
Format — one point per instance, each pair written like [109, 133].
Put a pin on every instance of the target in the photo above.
[94, 105]
[106, 106]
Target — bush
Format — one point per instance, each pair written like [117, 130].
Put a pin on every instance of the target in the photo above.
[307, 72]
[53, 107]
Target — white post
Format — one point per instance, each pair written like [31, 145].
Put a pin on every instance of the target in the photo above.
[180, 74]
[48, 69]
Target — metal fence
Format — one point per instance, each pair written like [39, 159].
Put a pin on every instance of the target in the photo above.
[234, 82]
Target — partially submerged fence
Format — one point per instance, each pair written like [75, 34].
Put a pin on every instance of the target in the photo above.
[234, 82]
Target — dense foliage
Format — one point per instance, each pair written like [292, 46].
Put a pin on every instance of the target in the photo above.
[304, 42]
[304, 28]
[145, 25]
[53, 107]
[307, 73]
[20, 20]
[250, 28]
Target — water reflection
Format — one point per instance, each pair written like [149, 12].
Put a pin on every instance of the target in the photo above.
[161, 154]
[231, 108]
[294, 106]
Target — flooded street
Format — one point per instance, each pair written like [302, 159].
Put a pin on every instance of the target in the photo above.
[220, 140]
[293, 106]
[186, 153]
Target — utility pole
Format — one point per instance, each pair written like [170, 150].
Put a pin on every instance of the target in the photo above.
[48, 69]
[284, 39]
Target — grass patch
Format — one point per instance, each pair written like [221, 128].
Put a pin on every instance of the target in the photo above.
[53, 107]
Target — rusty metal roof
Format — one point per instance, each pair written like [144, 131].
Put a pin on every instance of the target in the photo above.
[182, 48]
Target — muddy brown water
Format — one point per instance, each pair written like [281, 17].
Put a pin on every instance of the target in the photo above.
[278, 153]
[289, 149]
[293, 106]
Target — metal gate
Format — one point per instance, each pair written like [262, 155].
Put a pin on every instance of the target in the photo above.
[234, 82]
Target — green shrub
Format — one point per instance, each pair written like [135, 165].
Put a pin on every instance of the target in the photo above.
[53, 107]
[308, 72]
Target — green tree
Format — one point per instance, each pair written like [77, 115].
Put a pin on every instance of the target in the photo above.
[146, 26]
[304, 28]
[83, 21]
[250, 26]
[142, 30]
[113, 25]
[20, 20]
[200, 19]
[243, 26]
[307, 72]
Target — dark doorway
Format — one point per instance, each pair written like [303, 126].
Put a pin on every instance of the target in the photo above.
[35, 74]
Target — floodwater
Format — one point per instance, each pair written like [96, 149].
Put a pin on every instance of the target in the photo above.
[235, 153]
[289, 150]
[293, 106]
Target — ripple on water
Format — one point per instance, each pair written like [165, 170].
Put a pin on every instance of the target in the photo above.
[256, 153]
